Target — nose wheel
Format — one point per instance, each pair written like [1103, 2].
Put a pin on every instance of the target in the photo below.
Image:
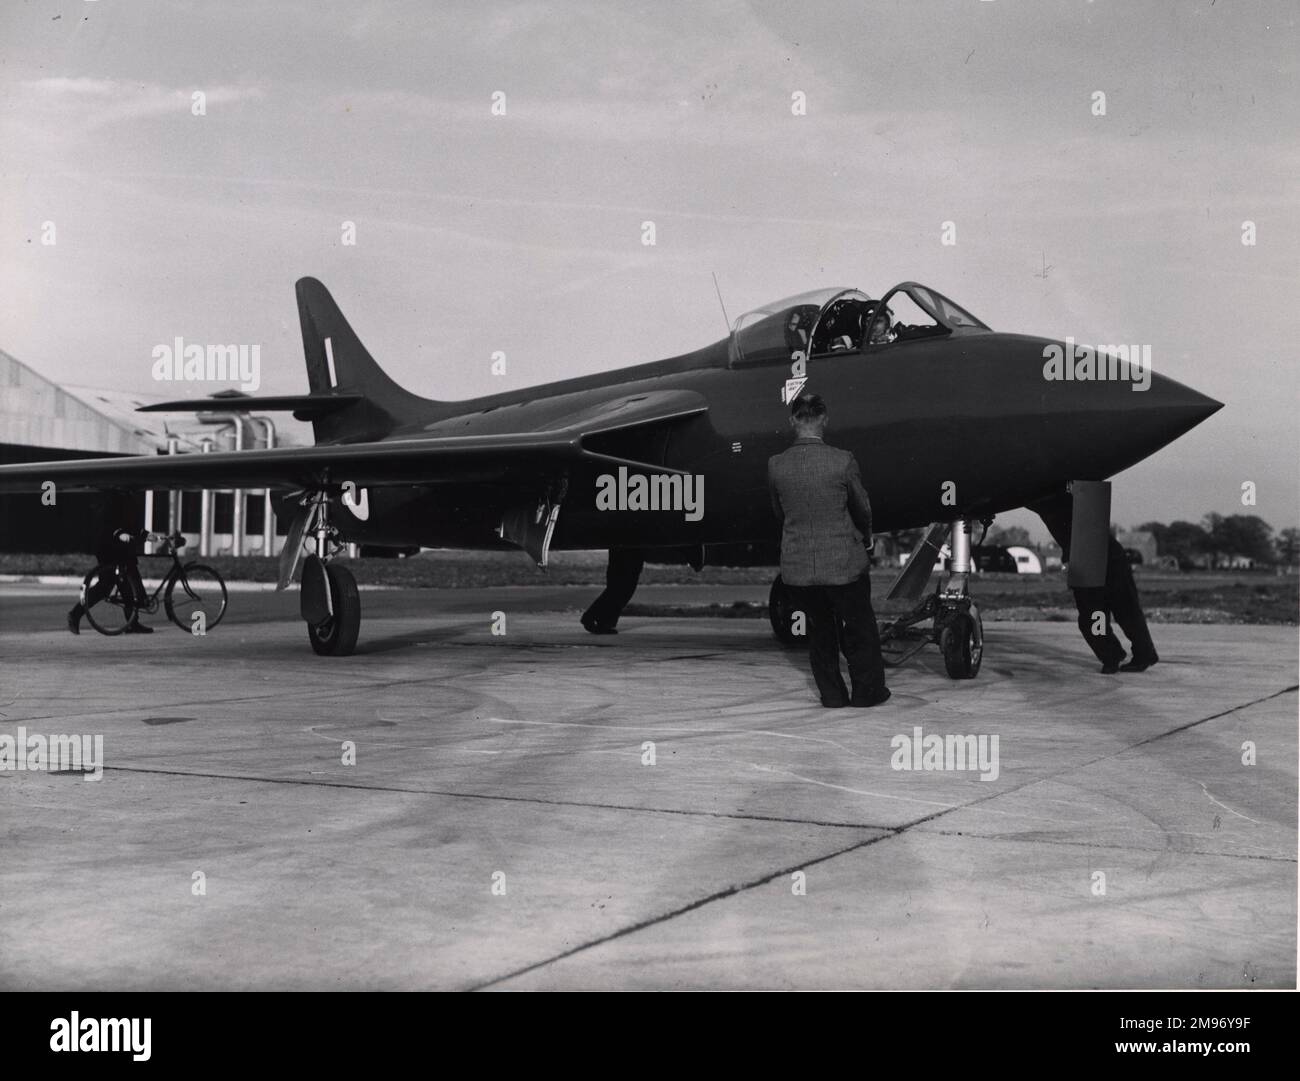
[953, 619]
[961, 641]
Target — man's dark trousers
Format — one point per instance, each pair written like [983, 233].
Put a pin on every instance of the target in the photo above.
[840, 619]
[1119, 600]
[622, 574]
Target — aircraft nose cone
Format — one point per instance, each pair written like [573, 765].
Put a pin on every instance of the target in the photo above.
[1169, 408]
[1096, 428]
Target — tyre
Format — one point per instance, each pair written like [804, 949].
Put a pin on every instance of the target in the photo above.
[105, 597]
[780, 613]
[336, 634]
[197, 589]
[962, 644]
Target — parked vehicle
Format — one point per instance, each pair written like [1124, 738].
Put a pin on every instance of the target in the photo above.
[993, 558]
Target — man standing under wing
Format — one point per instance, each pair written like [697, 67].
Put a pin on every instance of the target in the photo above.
[825, 517]
[1117, 601]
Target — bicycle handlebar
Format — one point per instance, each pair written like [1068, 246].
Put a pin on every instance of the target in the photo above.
[177, 540]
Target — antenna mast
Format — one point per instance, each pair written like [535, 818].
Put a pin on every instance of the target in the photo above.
[725, 319]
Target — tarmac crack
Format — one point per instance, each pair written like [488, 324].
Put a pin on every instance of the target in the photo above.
[681, 910]
[893, 832]
[496, 797]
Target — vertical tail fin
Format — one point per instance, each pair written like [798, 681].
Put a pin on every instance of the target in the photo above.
[336, 360]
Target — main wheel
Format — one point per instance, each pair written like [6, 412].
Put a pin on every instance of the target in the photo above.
[781, 612]
[336, 634]
[200, 590]
[106, 599]
[962, 643]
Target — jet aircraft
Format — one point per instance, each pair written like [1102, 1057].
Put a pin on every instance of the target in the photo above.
[950, 421]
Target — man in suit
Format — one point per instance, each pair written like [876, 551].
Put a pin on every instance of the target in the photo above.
[825, 517]
[1118, 599]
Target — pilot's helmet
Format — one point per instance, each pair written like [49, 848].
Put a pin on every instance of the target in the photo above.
[878, 322]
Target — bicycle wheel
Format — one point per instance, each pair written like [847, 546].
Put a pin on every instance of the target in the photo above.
[196, 589]
[107, 600]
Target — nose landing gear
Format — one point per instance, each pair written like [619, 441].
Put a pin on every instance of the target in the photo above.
[955, 623]
[961, 640]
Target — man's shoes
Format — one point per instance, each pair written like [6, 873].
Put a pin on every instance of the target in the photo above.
[880, 697]
[1110, 669]
[1136, 665]
[74, 621]
[834, 704]
[597, 628]
[138, 628]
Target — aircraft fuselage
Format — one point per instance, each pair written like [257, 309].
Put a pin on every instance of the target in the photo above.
[962, 426]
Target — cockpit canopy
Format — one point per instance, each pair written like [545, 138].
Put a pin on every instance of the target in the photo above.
[839, 320]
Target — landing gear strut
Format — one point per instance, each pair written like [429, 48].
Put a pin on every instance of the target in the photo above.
[330, 601]
[955, 624]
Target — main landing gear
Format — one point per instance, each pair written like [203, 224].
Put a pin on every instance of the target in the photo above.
[781, 613]
[329, 600]
[953, 618]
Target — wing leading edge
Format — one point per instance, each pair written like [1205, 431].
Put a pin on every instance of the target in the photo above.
[405, 460]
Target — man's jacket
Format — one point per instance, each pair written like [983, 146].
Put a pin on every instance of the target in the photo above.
[825, 517]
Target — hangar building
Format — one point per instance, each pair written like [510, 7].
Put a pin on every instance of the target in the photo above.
[42, 421]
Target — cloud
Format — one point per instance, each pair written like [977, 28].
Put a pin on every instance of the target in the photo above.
[85, 103]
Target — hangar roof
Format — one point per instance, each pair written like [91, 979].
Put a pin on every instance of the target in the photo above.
[36, 412]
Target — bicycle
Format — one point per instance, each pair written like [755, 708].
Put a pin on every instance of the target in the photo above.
[110, 604]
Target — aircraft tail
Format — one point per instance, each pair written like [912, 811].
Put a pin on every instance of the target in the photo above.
[338, 364]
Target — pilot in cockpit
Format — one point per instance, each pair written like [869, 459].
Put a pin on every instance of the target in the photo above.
[880, 327]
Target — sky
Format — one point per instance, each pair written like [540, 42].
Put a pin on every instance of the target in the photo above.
[521, 233]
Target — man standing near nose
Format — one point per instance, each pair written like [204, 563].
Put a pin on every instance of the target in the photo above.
[825, 517]
[1116, 601]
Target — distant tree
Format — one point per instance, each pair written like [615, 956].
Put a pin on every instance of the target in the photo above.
[1183, 540]
[1241, 535]
[1158, 530]
[1006, 537]
[1288, 546]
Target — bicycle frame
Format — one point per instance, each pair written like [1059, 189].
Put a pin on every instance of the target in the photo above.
[175, 572]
